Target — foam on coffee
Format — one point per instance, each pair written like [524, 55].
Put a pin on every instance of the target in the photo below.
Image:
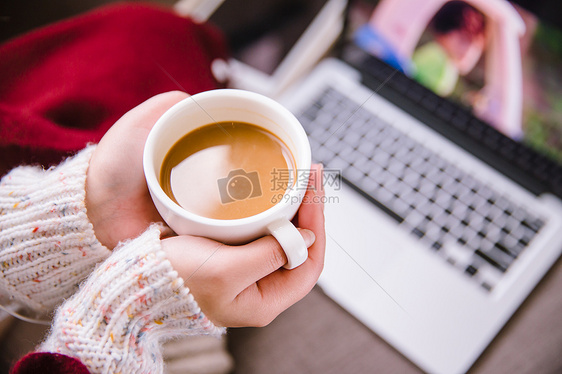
[227, 170]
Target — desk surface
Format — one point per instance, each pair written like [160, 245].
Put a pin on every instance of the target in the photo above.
[317, 336]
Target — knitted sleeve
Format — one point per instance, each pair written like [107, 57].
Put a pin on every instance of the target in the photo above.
[117, 320]
[47, 243]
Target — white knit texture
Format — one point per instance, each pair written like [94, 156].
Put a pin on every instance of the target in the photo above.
[47, 243]
[127, 307]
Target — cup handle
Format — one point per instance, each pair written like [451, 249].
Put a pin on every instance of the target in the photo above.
[291, 241]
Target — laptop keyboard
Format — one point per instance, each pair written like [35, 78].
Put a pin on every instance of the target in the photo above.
[431, 198]
[545, 172]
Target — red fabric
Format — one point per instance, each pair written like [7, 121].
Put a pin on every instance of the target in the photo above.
[43, 362]
[64, 85]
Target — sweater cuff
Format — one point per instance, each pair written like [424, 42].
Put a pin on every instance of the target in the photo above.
[133, 300]
[47, 243]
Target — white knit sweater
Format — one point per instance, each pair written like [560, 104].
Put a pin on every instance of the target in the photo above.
[130, 302]
[122, 313]
[47, 243]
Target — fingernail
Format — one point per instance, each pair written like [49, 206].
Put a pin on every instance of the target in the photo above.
[308, 237]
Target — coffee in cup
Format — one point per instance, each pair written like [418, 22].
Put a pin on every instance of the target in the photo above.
[227, 170]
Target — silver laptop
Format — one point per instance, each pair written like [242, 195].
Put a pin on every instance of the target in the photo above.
[428, 245]
[448, 209]
[444, 224]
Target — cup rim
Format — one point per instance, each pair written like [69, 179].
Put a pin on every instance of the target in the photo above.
[301, 142]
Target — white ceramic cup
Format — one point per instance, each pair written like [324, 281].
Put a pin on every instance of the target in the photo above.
[232, 105]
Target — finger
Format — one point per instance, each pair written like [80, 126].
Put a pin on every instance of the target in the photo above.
[262, 257]
[311, 214]
[315, 190]
[315, 182]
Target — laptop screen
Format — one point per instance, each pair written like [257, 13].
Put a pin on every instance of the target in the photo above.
[497, 58]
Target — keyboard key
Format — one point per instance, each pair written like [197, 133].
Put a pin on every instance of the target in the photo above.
[381, 157]
[384, 195]
[497, 258]
[418, 232]
[337, 163]
[471, 270]
[353, 174]
[366, 148]
[324, 154]
[533, 224]
[400, 207]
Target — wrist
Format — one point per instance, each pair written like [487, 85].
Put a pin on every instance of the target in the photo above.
[96, 204]
[97, 201]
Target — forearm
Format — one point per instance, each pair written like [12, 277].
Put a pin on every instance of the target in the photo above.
[133, 300]
[47, 243]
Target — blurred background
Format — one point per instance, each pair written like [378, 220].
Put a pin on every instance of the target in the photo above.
[19, 16]
[315, 335]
